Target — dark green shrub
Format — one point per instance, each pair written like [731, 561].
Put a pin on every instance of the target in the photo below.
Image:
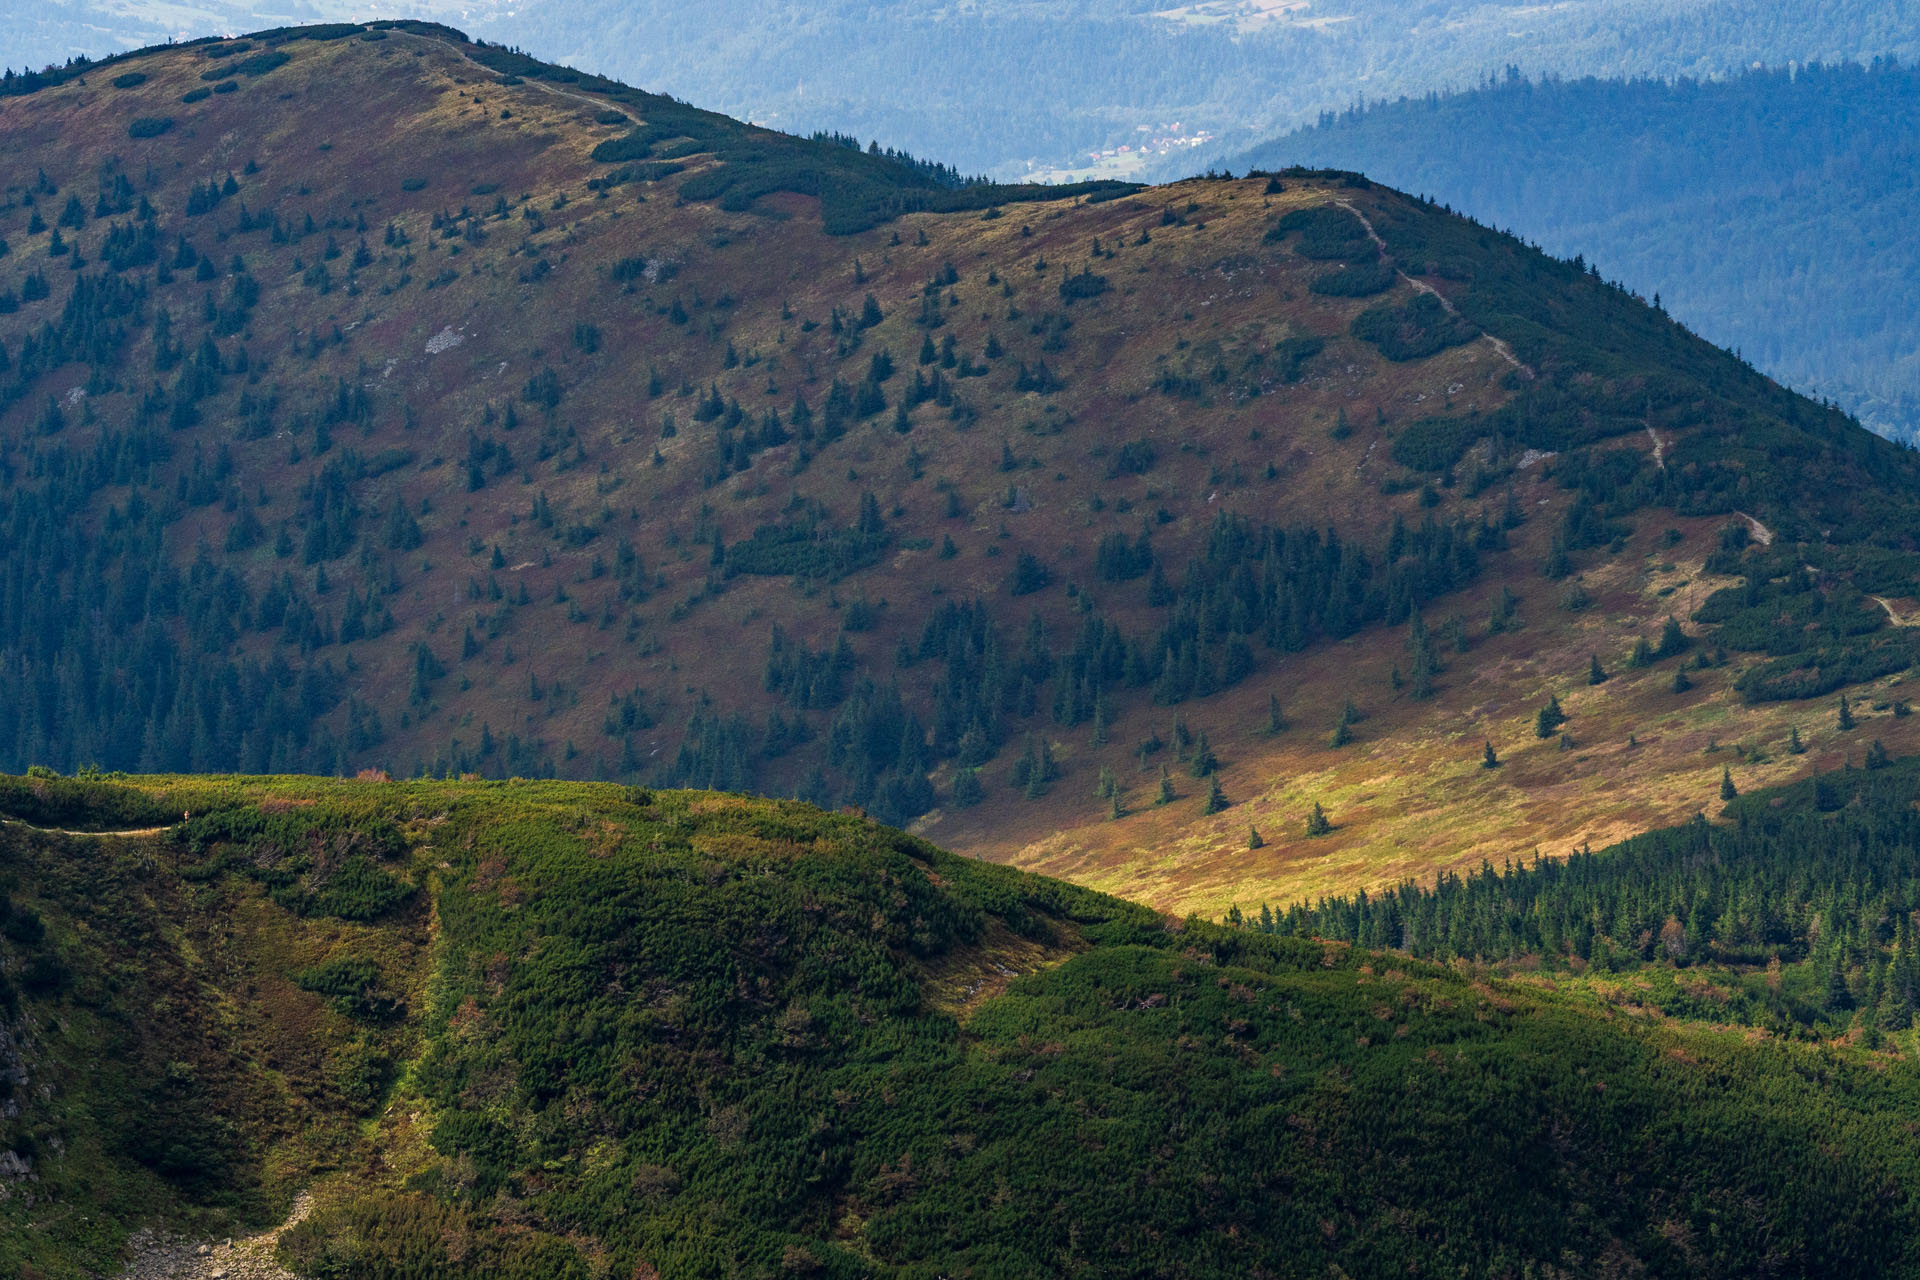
[1422, 328]
[1360, 280]
[1327, 233]
[1434, 444]
[149, 126]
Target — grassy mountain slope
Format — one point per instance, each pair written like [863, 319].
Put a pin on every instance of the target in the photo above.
[558, 1029]
[1756, 206]
[528, 424]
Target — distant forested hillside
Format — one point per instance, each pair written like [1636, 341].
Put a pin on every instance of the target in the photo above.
[1001, 84]
[1774, 212]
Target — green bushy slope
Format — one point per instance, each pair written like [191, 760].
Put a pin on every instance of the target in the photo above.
[690, 1034]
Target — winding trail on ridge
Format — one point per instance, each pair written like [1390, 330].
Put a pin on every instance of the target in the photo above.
[597, 104]
[1421, 286]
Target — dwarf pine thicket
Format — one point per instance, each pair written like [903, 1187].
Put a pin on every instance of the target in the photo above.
[696, 1032]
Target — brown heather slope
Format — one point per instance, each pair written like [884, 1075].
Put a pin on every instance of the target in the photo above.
[500, 278]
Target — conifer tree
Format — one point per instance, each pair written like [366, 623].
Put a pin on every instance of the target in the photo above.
[1549, 718]
[1167, 794]
[1317, 823]
[1490, 759]
[1680, 681]
[1596, 674]
[1794, 746]
[1253, 837]
[1846, 713]
[1216, 798]
[1727, 790]
[1672, 639]
[1275, 722]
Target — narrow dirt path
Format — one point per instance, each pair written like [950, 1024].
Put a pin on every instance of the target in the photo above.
[1421, 286]
[62, 831]
[1761, 534]
[157, 1257]
[596, 103]
[1894, 617]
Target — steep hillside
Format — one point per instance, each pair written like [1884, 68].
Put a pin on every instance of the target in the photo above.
[377, 399]
[1758, 207]
[542, 1029]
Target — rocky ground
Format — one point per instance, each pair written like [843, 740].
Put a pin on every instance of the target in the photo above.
[160, 1257]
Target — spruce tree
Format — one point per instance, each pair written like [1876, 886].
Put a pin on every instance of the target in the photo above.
[1317, 824]
[1204, 762]
[1253, 837]
[1549, 718]
[1596, 674]
[1216, 798]
[1846, 713]
[1727, 790]
[1167, 794]
[1672, 639]
[1275, 722]
[1489, 760]
[1680, 681]
[1794, 746]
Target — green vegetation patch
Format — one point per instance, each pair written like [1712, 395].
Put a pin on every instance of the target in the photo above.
[1434, 444]
[149, 126]
[313, 863]
[720, 1045]
[804, 550]
[1357, 280]
[44, 799]
[1327, 233]
[697, 1034]
[1422, 328]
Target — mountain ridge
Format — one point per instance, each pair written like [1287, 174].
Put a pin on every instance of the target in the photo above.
[461, 450]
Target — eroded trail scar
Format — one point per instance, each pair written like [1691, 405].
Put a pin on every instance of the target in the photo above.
[1421, 286]
[158, 1257]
